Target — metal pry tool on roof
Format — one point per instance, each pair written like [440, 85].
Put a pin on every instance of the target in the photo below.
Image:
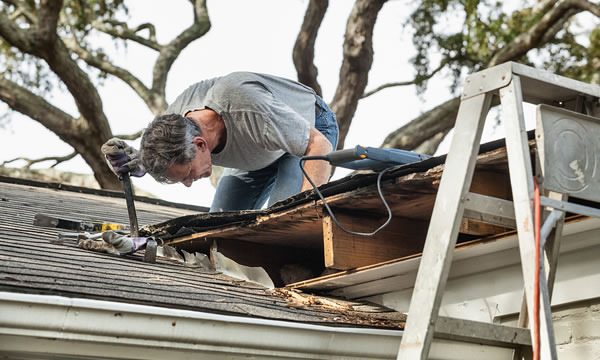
[89, 226]
[151, 245]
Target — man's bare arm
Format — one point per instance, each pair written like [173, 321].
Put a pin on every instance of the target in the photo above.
[318, 170]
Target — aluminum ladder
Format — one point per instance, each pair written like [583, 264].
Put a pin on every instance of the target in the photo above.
[514, 84]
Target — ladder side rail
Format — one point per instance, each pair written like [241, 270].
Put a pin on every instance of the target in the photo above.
[551, 252]
[552, 247]
[443, 229]
[521, 176]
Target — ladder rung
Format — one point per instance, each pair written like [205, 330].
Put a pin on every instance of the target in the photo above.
[481, 333]
[490, 210]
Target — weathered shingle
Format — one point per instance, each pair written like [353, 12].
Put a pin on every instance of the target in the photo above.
[31, 261]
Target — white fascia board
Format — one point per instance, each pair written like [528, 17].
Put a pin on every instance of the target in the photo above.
[61, 327]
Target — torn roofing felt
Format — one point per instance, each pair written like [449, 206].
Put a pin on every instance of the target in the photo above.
[31, 261]
[178, 227]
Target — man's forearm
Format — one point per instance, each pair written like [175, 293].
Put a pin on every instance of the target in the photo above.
[317, 170]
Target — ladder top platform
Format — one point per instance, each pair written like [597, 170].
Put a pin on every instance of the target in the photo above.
[542, 86]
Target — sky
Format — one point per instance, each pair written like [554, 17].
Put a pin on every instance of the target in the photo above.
[245, 35]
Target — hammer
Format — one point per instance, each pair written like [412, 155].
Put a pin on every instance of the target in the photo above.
[151, 245]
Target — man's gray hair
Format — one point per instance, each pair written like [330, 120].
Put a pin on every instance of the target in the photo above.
[166, 141]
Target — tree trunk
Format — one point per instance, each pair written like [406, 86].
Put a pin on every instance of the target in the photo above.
[358, 58]
[438, 120]
[304, 48]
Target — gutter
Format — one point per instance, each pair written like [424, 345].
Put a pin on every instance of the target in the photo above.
[57, 327]
[61, 328]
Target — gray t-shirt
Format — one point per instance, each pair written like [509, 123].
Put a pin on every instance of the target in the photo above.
[265, 116]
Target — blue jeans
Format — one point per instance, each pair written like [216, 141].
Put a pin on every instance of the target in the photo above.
[243, 190]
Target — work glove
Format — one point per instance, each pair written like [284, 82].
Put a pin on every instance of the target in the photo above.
[124, 244]
[122, 158]
[95, 243]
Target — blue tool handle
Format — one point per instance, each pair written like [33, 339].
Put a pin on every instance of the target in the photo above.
[370, 158]
[393, 156]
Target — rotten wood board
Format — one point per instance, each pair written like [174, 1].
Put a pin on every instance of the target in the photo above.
[345, 251]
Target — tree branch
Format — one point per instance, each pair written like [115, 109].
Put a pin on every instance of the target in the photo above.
[304, 48]
[428, 129]
[53, 51]
[120, 30]
[137, 85]
[91, 130]
[130, 136]
[48, 20]
[543, 5]
[23, 9]
[171, 51]
[35, 107]
[14, 35]
[30, 162]
[544, 30]
[358, 58]
[415, 81]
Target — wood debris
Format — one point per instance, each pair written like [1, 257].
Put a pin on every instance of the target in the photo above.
[343, 310]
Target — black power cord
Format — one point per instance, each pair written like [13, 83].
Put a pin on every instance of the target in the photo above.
[318, 157]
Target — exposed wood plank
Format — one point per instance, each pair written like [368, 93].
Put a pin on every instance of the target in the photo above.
[491, 183]
[343, 251]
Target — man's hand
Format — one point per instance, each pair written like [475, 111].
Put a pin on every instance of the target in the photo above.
[123, 243]
[112, 242]
[122, 158]
[319, 171]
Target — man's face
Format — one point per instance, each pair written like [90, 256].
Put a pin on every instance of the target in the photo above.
[200, 167]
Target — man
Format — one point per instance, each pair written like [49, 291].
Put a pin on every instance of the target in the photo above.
[255, 125]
